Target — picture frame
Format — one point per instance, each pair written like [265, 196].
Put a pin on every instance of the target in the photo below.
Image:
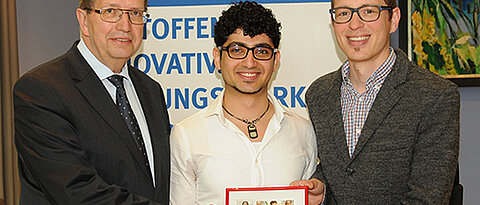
[453, 53]
[281, 195]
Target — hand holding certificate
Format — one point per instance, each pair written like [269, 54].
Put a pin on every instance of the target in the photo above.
[316, 190]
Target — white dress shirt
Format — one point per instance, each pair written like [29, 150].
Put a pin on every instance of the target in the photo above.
[103, 72]
[209, 153]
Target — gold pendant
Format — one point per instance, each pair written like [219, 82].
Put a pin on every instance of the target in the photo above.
[252, 131]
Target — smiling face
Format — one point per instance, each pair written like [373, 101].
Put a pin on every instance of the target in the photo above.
[112, 43]
[366, 41]
[248, 75]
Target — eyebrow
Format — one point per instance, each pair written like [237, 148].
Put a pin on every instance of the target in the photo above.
[256, 45]
[118, 6]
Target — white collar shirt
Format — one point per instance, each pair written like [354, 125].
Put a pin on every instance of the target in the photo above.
[103, 72]
[209, 153]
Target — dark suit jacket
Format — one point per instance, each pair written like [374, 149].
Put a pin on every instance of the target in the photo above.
[408, 149]
[73, 146]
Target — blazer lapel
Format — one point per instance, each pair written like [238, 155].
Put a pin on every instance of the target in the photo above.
[94, 92]
[334, 110]
[386, 99]
[154, 122]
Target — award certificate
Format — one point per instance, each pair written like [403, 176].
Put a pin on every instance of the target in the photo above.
[285, 195]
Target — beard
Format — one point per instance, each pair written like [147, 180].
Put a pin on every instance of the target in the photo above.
[247, 92]
[243, 91]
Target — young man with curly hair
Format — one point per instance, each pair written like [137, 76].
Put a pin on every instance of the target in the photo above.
[245, 137]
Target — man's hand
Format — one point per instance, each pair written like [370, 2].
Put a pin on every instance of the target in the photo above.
[316, 190]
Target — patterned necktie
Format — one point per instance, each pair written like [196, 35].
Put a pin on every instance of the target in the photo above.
[127, 114]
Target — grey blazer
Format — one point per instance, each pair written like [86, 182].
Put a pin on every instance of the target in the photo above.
[408, 150]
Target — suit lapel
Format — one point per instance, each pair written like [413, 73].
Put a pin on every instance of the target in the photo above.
[154, 108]
[154, 120]
[90, 86]
[386, 99]
[334, 111]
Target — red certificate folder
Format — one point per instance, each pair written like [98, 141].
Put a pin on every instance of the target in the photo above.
[284, 195]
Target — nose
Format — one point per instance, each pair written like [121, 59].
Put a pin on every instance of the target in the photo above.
[124, 23]
[355, 22]
[249, 61]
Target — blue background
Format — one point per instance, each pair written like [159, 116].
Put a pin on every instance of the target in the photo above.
[218, 2]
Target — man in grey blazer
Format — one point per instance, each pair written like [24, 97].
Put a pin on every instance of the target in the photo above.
[387, 130]
[74, 144]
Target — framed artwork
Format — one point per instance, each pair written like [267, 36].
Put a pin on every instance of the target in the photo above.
[286, 195]
[443, 37]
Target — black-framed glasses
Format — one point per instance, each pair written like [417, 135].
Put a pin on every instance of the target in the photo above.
[241, 51]
[366, 13]
[113, 15]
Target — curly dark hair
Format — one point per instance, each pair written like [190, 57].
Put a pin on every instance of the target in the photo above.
[252, 18]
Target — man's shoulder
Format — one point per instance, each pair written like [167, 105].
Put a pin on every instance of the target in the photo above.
[193, 120]
[327, 78]
[421, 78]
[323, 84]
[48, 72]
[289, 113]
[426, 82]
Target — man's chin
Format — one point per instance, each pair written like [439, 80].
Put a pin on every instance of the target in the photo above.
[247, 92]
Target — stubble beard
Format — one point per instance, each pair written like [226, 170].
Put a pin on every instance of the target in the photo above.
[245, 92]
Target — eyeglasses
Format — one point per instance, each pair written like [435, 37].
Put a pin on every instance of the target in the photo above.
[241, 52]
[367, 13]
[113, 15]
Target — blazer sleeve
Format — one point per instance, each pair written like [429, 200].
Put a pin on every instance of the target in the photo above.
[50, 156]
[436, 150]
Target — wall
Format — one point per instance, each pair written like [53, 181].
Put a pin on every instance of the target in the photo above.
[45, 30]
[48, 30]
[470, 143]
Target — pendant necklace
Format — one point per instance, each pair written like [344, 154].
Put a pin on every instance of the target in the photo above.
[252, 129]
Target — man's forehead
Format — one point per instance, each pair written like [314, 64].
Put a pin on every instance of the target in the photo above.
[240, 38]
[137, 4]
[357, 3]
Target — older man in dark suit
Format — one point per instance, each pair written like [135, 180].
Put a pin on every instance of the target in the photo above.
[387, 130]
[91, 129]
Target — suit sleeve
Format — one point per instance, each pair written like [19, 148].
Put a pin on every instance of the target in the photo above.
[182, 177]
[436, 150]
[50, 157]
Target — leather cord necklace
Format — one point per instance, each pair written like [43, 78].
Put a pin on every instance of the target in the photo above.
[252, 129]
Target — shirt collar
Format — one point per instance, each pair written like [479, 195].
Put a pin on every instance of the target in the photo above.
[102, 71]
[378, 76]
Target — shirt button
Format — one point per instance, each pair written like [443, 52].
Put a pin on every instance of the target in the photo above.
[358, 131]
[256, 161]
[350, 171]
[360, 98]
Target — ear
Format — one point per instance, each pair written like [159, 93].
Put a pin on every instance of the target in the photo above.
[82, 22]
[216, 58]
[395, 20]
[277, 61]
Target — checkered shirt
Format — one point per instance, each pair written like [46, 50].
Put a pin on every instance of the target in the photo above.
[356, 106]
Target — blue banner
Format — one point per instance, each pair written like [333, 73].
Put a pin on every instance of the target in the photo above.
[219, 2]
